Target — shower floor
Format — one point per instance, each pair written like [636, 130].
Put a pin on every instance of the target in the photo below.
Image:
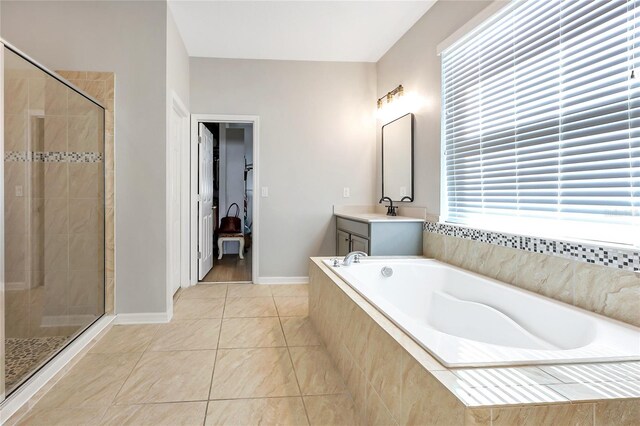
[23, 355]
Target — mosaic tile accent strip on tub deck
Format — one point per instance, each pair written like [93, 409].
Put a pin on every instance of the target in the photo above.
[54, 157]
[626, 259]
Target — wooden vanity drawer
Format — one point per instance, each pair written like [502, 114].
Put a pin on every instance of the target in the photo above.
[353, 227]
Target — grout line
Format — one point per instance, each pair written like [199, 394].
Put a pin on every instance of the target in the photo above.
[156, 402]
[242, 398]
[215, 361]
[127, 378]
[295, 373]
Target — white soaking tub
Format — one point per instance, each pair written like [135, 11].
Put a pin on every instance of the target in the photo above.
[465, 319]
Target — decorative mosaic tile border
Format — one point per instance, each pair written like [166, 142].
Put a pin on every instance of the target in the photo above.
[54, 157]
[628, 260]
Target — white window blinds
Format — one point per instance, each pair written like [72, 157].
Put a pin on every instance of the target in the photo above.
[541, 119]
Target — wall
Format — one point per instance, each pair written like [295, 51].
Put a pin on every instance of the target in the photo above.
[413, 62]
[316, 137]
[177, 62]
[128, 38]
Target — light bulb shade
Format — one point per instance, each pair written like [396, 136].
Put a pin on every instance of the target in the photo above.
[410, 102]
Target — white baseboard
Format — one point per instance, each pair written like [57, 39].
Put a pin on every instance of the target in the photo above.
[283, 280]
[144, 318]
[27, 390]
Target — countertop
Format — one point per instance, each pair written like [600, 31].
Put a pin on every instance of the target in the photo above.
[376, 217]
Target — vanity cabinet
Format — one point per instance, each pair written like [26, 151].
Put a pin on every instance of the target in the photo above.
[379, 237]
[347, 242]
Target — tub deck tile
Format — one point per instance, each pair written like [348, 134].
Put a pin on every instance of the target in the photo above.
[599, 391]
[473, 395]
[594, 373]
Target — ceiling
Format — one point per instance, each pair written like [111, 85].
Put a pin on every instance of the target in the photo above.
[351, 31]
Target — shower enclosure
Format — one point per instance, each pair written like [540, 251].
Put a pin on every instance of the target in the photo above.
[53, 217]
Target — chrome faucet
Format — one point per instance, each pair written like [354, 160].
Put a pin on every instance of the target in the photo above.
[391, 209]
[353, 257]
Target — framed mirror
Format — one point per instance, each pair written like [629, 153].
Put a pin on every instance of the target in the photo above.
[397, 159]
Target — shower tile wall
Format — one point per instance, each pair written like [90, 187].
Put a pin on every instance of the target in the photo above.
[101, 85]
[54, 215]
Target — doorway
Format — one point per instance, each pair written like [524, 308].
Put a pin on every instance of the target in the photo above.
[224, 175]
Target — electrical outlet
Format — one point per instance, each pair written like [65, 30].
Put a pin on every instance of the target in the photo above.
[264, 191]
[19, 191]
[346, 193]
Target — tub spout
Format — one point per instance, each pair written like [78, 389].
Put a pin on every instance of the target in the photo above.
[353, 257]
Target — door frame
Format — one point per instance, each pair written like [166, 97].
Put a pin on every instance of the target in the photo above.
[255, 234]
[176, 105]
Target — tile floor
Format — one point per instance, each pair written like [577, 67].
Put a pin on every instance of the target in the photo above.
[236, 354]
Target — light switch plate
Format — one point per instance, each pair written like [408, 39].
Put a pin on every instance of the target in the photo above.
[264, 191]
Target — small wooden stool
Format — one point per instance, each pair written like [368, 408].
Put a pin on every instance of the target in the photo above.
[231, 237]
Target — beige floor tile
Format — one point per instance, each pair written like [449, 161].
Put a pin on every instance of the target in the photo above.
[169, 377]
[63, 416]
[331, 410]
[204, 291]
[251, 333]
[247, 373]
[173, 414]
[249, 290]
[93, 382]
[125, 338]
[198, 308]
[292, 306]
[239, 307]
[265, 411]
[299, 331]
[315, 371]
[186, 335]
[298, 290]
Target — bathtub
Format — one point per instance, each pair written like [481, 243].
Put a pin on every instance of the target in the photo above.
[467, 320]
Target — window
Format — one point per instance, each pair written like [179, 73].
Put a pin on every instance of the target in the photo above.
[541, 114]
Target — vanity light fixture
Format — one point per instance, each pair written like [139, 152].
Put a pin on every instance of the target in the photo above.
[398, 91]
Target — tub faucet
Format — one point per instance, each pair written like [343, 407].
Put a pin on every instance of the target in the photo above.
[391, 209]
[353, 257]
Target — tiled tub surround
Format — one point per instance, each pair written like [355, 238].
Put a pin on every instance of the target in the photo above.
[617, 257]
[613, 291]
[467, 320]
[394, 381]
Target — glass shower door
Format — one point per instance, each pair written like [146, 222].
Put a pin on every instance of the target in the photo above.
[53, 216]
